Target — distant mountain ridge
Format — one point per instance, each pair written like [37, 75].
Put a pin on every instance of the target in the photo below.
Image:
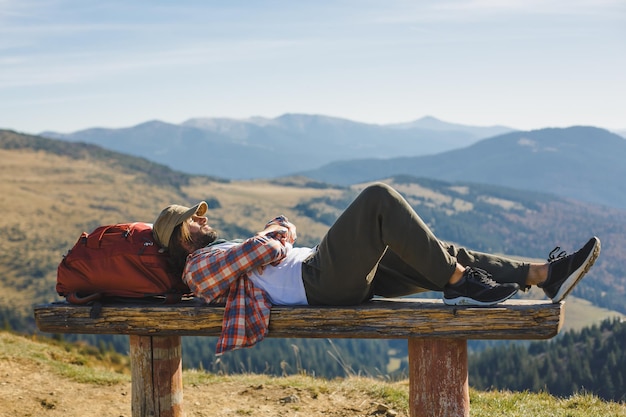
[432, 123]
[580, 162]
[584, 163]
[267, 148]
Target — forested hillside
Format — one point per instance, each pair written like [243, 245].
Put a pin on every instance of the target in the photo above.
[508, 221]
[592, 360]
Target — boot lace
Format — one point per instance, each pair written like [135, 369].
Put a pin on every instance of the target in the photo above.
[482, 276]
[556, 254]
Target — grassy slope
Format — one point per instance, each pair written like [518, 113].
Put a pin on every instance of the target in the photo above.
[72, 368]
[46, 201]
[581, 313]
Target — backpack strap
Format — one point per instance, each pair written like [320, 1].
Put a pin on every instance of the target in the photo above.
[74, 298]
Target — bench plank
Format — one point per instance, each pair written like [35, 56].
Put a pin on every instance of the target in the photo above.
[381, 318]
[437, 335]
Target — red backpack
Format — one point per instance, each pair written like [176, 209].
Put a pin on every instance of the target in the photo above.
[119, 260]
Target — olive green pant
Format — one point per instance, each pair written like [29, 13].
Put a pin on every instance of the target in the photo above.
[380, 246]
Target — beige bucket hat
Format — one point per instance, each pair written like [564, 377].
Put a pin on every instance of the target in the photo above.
[171, 217]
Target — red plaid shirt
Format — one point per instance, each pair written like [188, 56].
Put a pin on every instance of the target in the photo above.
[219, 274]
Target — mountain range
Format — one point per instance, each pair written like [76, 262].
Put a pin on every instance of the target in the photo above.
[583, 163]
[267, 148]
[580, 162]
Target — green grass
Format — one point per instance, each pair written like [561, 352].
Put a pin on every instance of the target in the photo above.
[525, 404]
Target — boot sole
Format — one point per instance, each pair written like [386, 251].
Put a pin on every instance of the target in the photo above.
[467, 301]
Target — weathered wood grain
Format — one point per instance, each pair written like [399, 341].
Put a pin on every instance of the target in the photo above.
[385, 319]
[438, 385]
[157, 376]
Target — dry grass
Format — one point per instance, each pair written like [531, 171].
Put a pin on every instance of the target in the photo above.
[41, 377]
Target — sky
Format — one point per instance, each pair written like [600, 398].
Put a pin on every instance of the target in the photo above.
[67, 65]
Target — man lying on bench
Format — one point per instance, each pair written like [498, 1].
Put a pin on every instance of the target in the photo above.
[378, 246]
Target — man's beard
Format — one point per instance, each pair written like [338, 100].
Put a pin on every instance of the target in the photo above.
[206, 239]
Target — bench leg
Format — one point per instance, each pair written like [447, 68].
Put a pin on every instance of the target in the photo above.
[438, 378]
[157, 377]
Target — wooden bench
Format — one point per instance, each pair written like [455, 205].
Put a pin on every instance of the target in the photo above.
[437, 335]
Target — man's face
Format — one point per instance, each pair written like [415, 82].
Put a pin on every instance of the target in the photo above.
[201, 233]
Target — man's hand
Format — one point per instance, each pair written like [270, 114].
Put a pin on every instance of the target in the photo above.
[291, 232]
[282, 221]
[278, 232]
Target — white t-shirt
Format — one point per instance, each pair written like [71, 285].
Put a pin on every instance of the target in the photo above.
[283, 282]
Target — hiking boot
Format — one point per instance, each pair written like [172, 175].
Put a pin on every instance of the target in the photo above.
[478, 289]
[565, 270]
